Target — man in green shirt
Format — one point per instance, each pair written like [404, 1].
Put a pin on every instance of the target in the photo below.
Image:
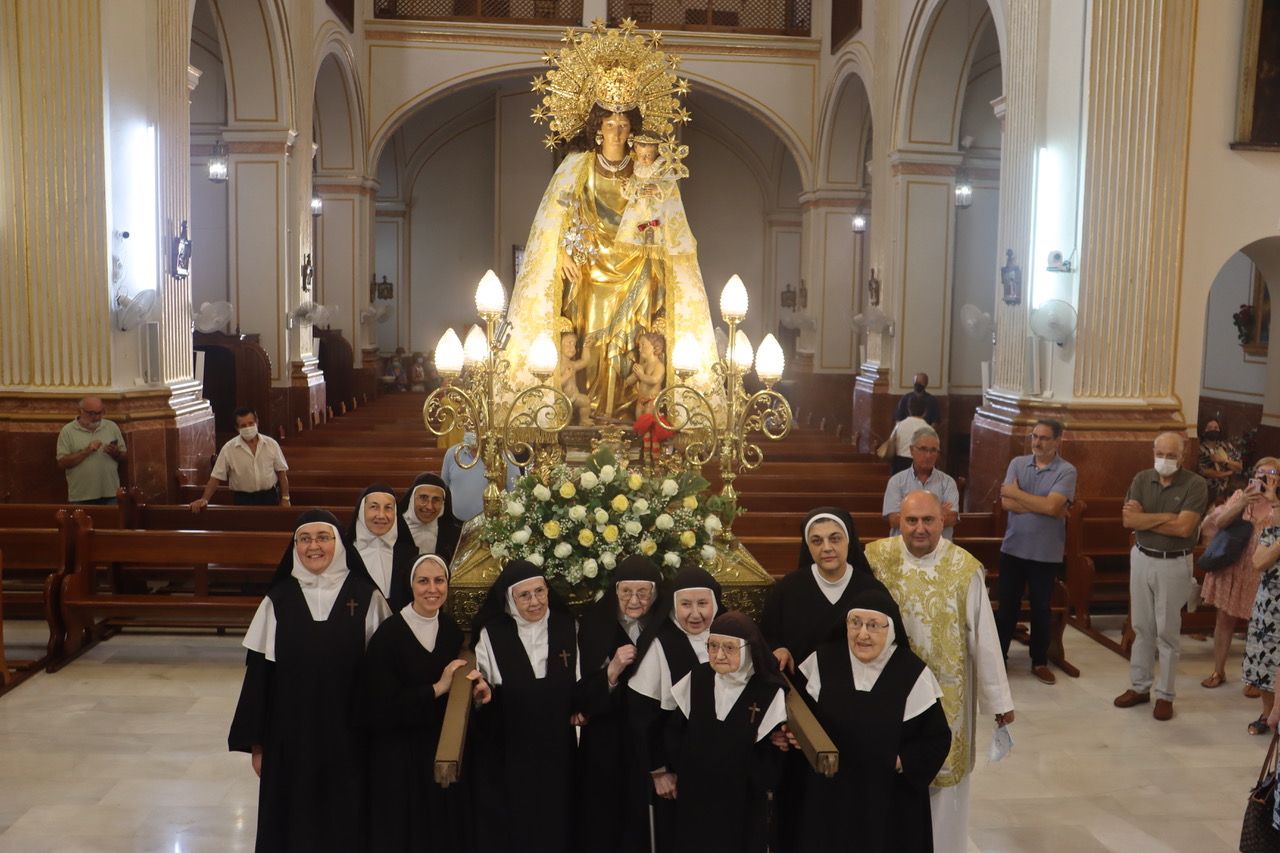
[90, 450]
[1164, 506]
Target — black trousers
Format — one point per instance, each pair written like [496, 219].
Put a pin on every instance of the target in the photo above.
[1015, 574]
[266, 497]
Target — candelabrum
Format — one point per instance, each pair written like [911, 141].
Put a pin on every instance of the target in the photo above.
[731, 436]
[477, 397]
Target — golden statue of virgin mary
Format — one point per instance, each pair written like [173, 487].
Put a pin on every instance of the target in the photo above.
[591, 272]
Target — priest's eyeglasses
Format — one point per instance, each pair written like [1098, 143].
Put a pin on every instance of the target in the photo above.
[857, 624]
[319, 539]
[715, 647]
[525, 596]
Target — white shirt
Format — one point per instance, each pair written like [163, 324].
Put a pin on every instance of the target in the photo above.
[244, 470]
[905, 431]
[425, 536]
[832, 589]
[424, 628]
[534, 638]
[923, 693]
[261, 636]
[726, 692]
[652, 677]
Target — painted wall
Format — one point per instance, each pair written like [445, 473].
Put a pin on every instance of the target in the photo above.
[973, 283]
[1228, 373]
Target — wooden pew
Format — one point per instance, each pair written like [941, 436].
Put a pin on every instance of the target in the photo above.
[205, 559]
[6, 677]
[256, 519]
[35, 562]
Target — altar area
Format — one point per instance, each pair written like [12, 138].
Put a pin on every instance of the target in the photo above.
[601, 377]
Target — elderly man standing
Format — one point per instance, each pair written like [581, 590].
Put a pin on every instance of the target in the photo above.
[919, 386]
[252, 464]
[90, 450]
[1164, 506]
[923, 475]
[1037, 492]
[943, 596]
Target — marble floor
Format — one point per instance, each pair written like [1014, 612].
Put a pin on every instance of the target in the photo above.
[125, 750]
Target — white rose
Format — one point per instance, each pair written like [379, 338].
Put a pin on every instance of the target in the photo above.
[671, 558]
[633, 528]
[535, 558]
[589, 568]
[563, 549]
[608, 560]
[669, 488]
[641, 506]
[498, 550]
[708, 552]
[577, 512]
[607, 473]
[664, 522]
[712, 524]
[515, 508]
[541, 492]
[521, 536]
[588, 481]
[602, 517]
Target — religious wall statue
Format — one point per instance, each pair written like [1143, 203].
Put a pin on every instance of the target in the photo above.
[610, 260]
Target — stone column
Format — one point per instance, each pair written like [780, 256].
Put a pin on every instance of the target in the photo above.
[344, 246]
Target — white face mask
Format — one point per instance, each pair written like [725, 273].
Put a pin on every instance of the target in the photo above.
[1166, 467]
[249, 433]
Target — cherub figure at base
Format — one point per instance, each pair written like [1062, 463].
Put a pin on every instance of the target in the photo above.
[572, 364]
[649, 373]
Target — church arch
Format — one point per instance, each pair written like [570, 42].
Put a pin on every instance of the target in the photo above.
[339, 103]
[845, 127]
[257, 62]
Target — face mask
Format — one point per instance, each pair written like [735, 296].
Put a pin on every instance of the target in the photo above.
[249, 433]
[1166, 467]
[919, 388]
[1212, 435]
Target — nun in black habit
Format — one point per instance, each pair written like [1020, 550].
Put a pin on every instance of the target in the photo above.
[427, 508]
[801, 609]
[881, 705]
[724, 763]
[298, 704]
[691, 601]
[384, 540]
[613, 783]
[523, 740]
[407, 673]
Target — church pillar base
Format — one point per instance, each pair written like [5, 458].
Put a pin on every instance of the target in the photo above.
[1108, 443]
[307, 392]
[169, 432]
[873, 406]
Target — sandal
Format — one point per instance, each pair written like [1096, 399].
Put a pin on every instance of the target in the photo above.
[1216, 679]
[1259, 727]
[1251, 691]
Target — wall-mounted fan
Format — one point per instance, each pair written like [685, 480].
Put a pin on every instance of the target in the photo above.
[132, 311]
[375, 313]
[874, 321]
[977, 323]
[213, 316]
[1055, 321]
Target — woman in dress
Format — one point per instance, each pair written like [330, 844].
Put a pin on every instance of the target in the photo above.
[1262, 648]
[1232, 589]
[408, 670]
[295, 715]
[723, 763]
[880, 704]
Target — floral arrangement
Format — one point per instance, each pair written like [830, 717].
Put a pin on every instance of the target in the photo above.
[1243, 320]
[579, 523]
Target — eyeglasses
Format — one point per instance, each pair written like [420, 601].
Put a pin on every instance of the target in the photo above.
[307, 539]
[926, 449]
[539, 594]
[1035, 437]
[640, 595]
[1271, 473]
[93, 413]
[715, 647]
[871, 625]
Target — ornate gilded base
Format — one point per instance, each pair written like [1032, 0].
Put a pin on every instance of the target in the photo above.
[474, 570]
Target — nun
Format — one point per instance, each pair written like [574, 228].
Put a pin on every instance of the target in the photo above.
[383, 539]
[692, 602]
[722, 759]
[296, 713]
[428, 511]
[524, 738]
[612, 812]
[881, 705]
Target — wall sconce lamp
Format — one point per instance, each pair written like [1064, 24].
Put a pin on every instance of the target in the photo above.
[860, 223]
[218, 169]
[380, 289]
[964, 190]
[317, 205]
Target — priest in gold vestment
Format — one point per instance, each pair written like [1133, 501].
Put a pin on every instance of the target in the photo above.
[941, 590]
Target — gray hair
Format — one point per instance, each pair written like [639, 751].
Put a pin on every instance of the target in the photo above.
[1182, 439]
[924, 432]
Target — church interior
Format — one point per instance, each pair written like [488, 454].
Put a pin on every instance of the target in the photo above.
[1055, 211]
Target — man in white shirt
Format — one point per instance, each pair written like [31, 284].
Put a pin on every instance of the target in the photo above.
[252, 464]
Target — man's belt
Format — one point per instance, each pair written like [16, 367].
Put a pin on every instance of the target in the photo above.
[1164, 555]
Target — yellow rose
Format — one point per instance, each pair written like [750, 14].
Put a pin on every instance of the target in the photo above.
[619, 503]
[567, 490]
[585, 537]
[634, 482]
[688, 539]
[648, 546]
[611, 533]
[551, 530]
[690, 502]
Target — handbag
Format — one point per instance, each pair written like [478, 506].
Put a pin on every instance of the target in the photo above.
[1226, 546]
[889, 447]
[1258, 835]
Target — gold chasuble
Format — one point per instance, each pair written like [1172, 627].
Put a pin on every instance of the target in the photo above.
[622, 295]
[936, 596]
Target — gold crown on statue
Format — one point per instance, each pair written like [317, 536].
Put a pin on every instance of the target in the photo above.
[620, 70]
